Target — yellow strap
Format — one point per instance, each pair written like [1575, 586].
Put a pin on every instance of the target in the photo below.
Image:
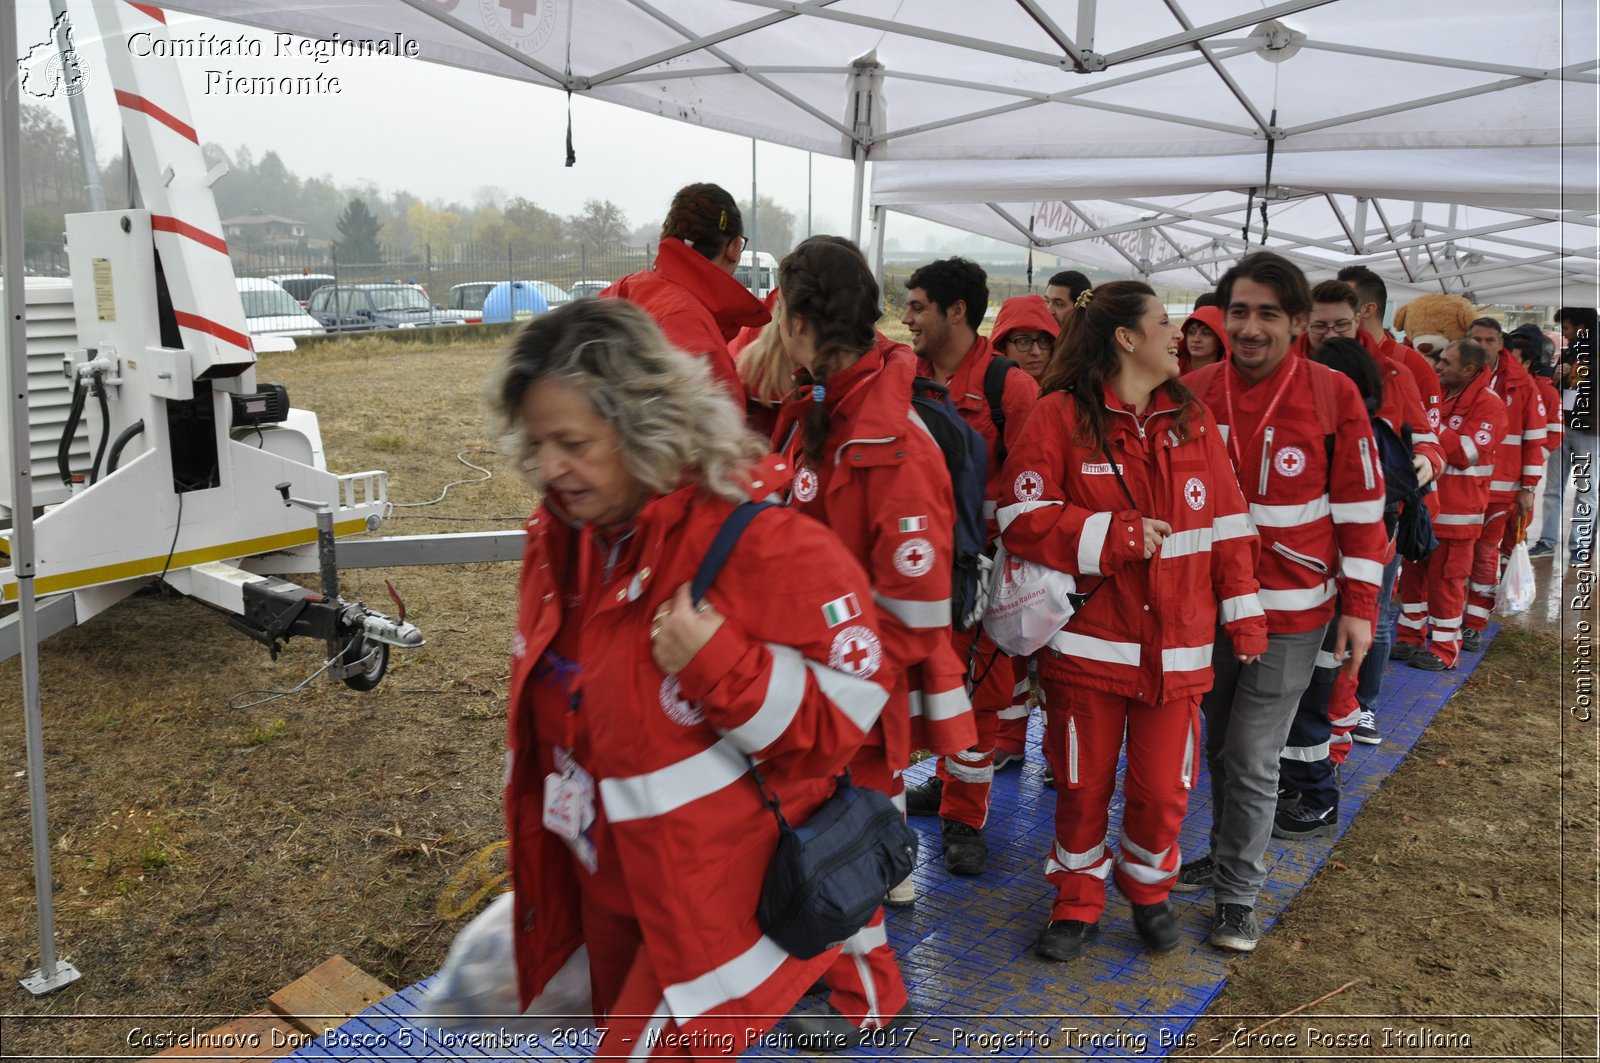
[475, 875]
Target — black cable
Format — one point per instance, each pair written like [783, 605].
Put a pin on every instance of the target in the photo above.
[121, 443]
[176, 527]
[98, 386]
[74, 415]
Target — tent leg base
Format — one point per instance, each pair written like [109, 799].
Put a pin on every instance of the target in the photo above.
[37, 984]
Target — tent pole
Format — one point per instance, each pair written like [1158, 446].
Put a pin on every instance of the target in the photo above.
[50, 974]
[880, 215]
[856, 196]
[80, 111]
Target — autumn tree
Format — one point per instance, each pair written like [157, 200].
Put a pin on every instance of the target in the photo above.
[601, 224]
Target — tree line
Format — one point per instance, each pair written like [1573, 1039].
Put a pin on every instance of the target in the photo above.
[357, 221]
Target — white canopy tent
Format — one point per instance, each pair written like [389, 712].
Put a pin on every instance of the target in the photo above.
[1455, 123]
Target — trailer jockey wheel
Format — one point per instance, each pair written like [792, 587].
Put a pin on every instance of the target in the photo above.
[372, 656]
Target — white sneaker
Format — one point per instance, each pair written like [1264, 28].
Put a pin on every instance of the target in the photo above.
[903, 895]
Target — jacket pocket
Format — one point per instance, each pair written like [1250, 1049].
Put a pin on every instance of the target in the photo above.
[1266, 459]
[1366, 465]
[1314, 564]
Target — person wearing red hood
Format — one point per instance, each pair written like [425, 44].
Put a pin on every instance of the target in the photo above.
[1205, 339]
[1025, 331]
[690, 292]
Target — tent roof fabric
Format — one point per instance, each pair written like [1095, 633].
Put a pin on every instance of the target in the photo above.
[1072, 100]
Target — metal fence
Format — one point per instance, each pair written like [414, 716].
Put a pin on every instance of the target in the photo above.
[438, 269]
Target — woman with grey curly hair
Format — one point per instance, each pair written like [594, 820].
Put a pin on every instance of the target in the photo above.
[636, 827]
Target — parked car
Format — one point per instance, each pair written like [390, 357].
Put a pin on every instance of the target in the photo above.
[587, 289]
[301, 285]
[514, 301]
[468, 299]
[271, 313]
[553, 293]
[355, 307]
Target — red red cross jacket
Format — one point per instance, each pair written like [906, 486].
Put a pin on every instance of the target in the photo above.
[1149, 628]
[1473, 425]
[1401, 404]
[1552, 412]
[884, 489]
[1309, 468]
[684, 838]
[1422, 374]
[1520, 460]
[697, 305]
[966, 391]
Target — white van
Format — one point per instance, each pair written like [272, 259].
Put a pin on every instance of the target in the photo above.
[272, 314]
[301, 285]
[757, 271]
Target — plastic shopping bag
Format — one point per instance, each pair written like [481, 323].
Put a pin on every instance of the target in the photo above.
[477, 987]
[1030, 603]
[1516, 586]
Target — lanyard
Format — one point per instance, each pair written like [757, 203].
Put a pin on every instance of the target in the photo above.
[1235, 450]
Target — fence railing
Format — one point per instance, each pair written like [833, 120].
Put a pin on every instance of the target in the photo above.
[439, 269]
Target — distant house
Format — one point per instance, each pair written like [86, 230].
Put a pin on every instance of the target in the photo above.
[260, 227]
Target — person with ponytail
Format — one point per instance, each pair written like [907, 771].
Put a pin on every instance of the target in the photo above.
[867, 468]
[690, 291]
[1121, 480]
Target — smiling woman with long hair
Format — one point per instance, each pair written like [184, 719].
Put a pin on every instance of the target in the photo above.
[1121, 480]
[636, 826]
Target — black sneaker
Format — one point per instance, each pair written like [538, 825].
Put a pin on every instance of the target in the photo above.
[1157, 926]
[1194, 875]
[1430, 662]
[924, 800]
[1235, 928]
[823, 1029]
[1366, 730]
[1004, 758]
[1299, 822]
[1063, 940]
[1049, 777]
[1542, 548]
[1287, 798]
[1403, 651]
[1471, 640]
[965, 852]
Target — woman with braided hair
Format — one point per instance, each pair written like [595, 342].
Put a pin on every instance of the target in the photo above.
[1121, 480]
[690, 292]
[867, 468]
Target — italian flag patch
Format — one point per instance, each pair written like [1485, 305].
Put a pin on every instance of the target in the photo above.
[841, 610]
[913, 524]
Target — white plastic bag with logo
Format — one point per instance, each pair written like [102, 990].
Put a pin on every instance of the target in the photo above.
[477, 986]
[1029, 604]
[1516, 586]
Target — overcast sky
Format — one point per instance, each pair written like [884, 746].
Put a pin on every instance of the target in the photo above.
[443, 133]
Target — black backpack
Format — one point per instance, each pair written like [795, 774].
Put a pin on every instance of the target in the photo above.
[994, 389]
[966, 458]
[1405, 517]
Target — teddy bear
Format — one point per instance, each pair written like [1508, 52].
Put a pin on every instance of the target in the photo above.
[1432, 321]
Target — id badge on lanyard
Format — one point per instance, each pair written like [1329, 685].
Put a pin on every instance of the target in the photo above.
[569, 808]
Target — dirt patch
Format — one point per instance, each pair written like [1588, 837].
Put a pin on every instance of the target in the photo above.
[1461, 904]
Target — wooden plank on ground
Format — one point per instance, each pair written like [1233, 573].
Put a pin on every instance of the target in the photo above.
[253, 1037]
[324, 998]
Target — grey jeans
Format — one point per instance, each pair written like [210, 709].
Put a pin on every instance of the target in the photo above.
[1248, 712]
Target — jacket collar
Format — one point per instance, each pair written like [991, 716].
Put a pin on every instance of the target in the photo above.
[726, 298]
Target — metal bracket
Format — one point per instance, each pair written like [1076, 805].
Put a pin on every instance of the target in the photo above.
[37, 984]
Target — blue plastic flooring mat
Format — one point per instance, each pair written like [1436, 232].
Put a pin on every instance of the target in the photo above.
[966, 946]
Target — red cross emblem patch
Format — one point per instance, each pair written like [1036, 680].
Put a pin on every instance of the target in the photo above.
[856, 651]
[1029, 485]
[1194, 493]
[1290, 461]
[805, 483]
[914, 557]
